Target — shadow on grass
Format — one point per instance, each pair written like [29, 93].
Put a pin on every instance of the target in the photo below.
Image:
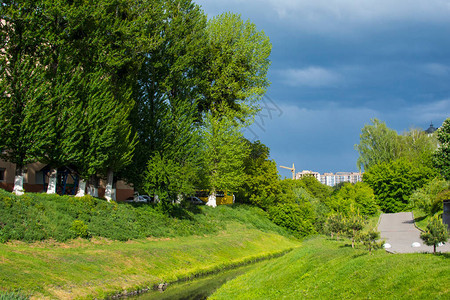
[444, 255]
[418, 219]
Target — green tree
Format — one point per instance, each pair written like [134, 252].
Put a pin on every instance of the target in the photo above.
[24, 101]
[261, 183]
[359, 195]
[236, 65]
[393, 182]
[335, 224]
[429, 197]
[378, 144]
[315, 188]
[419, 147]
[173, 171]
[436, 232]
[169, 81]
[224, 151]
[354, 224]
[370, 240]
[441, 158]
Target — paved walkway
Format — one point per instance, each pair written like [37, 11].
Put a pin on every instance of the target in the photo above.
[399, 231]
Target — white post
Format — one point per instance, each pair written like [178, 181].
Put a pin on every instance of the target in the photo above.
[109, 184]
[51, 188]
[81, 188]
[18, 182]
[212, 200]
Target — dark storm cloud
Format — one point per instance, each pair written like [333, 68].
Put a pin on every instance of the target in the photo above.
[336, 65]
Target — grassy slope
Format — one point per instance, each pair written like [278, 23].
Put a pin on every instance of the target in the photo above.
[325, 269]
[82, 268]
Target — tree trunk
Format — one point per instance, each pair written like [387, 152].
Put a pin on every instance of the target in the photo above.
[434, 249]
[212, 200]
[109, 185]
[51, 188]
[18, 181]
[93, 186]
[81, 188]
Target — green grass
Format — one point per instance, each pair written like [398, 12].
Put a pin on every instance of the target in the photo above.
[420, 218]
[372, 221]
[126, 246]
[101, 267]
[17, 295]
[325, 269]
[36, 217]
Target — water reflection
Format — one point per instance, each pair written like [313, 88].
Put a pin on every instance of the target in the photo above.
[199, 288]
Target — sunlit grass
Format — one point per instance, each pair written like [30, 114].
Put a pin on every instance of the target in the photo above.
[326, 269]
[101, 267]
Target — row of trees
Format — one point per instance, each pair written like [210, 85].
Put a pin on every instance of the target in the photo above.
[150, 90]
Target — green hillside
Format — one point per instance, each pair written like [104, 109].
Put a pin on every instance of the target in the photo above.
[326, 269]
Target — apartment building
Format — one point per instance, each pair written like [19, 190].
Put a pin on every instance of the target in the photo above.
[331, 179]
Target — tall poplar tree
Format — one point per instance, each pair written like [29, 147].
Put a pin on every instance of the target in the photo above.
[24, 101]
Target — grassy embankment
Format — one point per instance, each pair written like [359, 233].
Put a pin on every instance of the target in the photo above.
[326, 269]
[181, 243]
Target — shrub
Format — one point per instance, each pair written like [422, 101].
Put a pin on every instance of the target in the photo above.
[80, 229]
[297, 218]
[429, 197]
[435, 233]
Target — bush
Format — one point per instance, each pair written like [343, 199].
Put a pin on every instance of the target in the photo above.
[80, 229]
[297, 218]
[429, 198]
[393, 182]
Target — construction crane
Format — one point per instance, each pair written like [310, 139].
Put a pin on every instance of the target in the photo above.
[292, 170]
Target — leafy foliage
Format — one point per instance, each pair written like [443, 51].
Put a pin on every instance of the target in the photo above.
[358, 196]
[378, 144]
[370, 240]
[436, 232]
[297, 218]
[442, 155]
[34, 217]
[429, 198]
[236, 65]
[261, 183]
[224, 150]
[393, 182]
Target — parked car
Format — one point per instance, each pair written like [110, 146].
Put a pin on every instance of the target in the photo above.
[195, 200]
[143, 198]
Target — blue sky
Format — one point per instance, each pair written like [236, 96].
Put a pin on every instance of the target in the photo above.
[337, 64]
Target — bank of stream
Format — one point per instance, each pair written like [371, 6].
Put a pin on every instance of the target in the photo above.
[198, 288]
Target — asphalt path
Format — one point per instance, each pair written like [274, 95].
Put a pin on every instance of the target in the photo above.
[399, 231]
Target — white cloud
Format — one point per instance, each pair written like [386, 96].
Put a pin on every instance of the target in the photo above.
[436, 69]
[333, 16]
[435, 112]
[310, 77]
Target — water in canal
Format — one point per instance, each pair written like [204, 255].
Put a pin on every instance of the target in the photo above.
[199, 288]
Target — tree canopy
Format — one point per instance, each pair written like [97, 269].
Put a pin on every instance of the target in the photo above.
[442, 155]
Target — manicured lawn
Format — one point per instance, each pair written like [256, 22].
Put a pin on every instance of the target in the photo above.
[326, 269]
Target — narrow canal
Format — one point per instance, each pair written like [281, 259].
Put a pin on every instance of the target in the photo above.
[198, 288]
